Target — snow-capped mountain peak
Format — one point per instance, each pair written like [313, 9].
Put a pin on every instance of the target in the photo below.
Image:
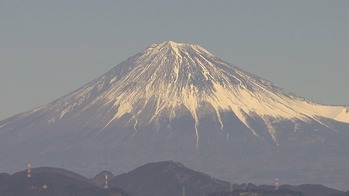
[170, 78]
[178, 101]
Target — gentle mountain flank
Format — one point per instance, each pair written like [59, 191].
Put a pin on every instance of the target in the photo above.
[177, 101]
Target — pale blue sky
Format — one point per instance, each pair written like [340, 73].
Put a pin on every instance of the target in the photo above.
[49, 48]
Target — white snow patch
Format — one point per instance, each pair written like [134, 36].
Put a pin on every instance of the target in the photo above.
[163, 74]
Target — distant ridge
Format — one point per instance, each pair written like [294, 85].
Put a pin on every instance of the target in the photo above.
[155, 179]
[167, 178]
[48, 181]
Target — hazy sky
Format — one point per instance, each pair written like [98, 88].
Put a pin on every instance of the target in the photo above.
[49, 48]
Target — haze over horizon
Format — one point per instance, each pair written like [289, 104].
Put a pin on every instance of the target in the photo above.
[49, 49]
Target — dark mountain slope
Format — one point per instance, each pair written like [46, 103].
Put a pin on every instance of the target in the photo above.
[52, 182]
[167, 178]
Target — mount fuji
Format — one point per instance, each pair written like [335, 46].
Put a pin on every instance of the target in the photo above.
[177, 101]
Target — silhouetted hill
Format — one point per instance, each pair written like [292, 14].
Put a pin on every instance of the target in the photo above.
[313, 189]
[258, 192]
[167, 178]
[51, 182]
[284, 190]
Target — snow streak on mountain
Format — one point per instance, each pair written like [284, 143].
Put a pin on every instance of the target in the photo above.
[169, 77]
[172, 89]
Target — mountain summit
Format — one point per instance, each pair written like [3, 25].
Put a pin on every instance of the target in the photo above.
[178, 101]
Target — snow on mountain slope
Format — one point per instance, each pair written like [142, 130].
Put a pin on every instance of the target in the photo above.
[172, 75]
[173, 101]
[169, 76]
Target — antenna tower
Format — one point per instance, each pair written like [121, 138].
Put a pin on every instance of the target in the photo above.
[276, 183]
[106, 181]
[29, 174]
